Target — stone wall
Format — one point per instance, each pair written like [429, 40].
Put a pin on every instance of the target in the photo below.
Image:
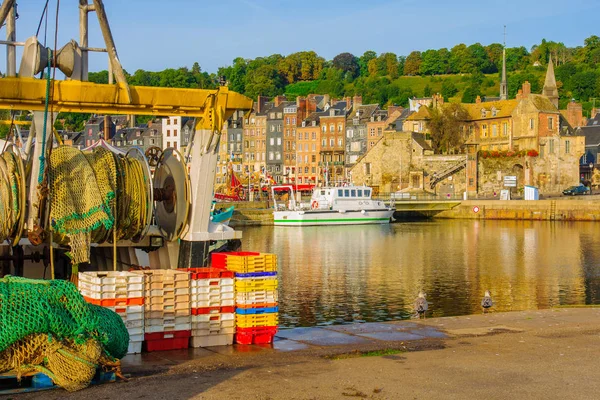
[559, 210]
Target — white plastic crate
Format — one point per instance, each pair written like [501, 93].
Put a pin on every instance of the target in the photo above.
[129, 313]
[134, 347]
[110, 277]
[211, 340]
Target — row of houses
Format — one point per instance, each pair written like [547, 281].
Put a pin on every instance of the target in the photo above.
[317, 139]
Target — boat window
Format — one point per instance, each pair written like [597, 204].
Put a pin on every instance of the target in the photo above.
[322, 193]
[367, 193]
[346, 193]
[353, 193]
[359, 193]
[340, 193]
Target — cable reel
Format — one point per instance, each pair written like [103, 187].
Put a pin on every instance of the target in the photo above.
[18, 196]
[138, 154]
[171, 194]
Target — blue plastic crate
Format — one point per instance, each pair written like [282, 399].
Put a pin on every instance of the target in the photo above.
[264, 310]
[255, 274]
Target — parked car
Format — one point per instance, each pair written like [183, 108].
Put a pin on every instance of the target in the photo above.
[575, 190]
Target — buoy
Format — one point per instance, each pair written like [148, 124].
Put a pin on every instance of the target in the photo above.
[314, 205]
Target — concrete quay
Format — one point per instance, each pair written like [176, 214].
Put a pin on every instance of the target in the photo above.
[560, 209]
[542, 354]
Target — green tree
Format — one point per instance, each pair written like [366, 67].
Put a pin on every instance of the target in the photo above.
[427, 91]
[445, 127]
[470, 94]
[448, 89]
[431, 64]
[363, 62]
[461, 60]
[347, 63]
[412, 64]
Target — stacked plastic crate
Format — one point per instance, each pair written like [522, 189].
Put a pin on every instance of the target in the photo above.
[213, 307]
[256, 313]
[167, 310]
[122, 292]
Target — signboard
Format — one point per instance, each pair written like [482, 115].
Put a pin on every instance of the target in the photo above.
[510, 181]
[475, 209]
[505, 194]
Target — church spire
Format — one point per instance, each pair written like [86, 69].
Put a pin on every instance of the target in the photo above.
[503, 83]
[550, 89]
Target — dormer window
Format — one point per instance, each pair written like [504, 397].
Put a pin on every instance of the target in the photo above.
[483, 113]
[314, 123]
[303, 124]
[494, 112]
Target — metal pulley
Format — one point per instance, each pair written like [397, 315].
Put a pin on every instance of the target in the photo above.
[171, 194]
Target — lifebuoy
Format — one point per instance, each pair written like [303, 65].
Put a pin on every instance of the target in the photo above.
[314, 204]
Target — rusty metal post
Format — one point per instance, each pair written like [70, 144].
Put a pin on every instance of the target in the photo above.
[4, 9]
[106, 128]
[83, 37]
[11, 49]
[110, 46]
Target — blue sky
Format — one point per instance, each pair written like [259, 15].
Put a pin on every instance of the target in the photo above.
[157, 34]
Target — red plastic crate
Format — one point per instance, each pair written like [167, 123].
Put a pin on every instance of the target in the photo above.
[172, 340]
[132, 301]
[213, 310]
[219, 260]
[208, 273]
[260, 335]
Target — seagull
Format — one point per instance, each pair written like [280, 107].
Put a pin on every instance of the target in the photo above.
[421, 305]
[486, 302]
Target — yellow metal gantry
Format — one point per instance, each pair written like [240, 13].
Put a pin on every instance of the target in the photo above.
[211, 107]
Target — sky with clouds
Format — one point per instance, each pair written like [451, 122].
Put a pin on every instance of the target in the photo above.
[158, 34]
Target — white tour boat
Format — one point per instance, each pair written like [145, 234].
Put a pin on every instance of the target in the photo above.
[345, 205]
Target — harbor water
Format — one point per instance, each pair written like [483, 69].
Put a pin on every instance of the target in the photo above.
[344, 274]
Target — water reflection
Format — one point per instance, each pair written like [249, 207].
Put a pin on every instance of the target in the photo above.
[332, 275]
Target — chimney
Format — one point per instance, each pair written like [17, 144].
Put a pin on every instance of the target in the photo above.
[519, 94]
[574, 114]
[357, 101]
[260, 104]
[348, 101]
[526, 89]
[594, 112]
[311, 105]
[132, 121]
[278, 100]
[478, 100]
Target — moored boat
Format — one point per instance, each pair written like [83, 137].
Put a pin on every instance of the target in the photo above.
[346, 205]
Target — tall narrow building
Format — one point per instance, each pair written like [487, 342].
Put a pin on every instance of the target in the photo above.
[503, 83]
[550, 89]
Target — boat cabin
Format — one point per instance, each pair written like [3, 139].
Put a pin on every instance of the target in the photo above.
[340, 198]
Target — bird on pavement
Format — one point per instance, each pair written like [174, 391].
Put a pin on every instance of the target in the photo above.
[421, 305]
[486, 302]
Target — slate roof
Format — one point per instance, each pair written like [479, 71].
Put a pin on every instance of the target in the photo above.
[594, 121]
[365, 112]
[592, 135]
[420, 140]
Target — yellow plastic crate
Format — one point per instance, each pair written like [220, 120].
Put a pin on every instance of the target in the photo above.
[254, 320]
[263, 262]
[252, 285]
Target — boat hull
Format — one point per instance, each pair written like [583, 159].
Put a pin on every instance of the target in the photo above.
[317, 217]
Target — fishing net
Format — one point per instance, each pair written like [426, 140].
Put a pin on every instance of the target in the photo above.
[88, 190]
[9, 196]
[46, 326]
[77, 205]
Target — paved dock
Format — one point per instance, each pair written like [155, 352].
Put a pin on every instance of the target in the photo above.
[533, 354]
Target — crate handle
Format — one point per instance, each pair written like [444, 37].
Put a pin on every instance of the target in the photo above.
[169, 336]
